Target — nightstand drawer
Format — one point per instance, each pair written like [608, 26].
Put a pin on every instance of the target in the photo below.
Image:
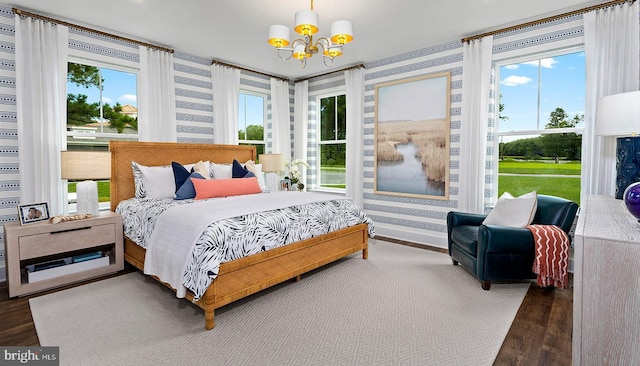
[55, 242]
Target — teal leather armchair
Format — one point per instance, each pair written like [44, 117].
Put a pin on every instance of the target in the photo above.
[492, 252]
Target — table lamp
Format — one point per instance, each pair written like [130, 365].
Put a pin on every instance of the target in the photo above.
[619, 116]
[272, 164]
[83, 167]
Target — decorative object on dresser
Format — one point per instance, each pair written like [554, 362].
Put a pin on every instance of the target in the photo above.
[272, 164]
[619, 116]
[43, 255]
[33, 212]
[83, 166]
[606, 320]
[631, 199]
[58, 219]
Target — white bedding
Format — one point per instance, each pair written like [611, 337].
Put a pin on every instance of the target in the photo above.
[179, 227]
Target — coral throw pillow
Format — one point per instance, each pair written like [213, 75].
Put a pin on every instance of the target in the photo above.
[225, 187]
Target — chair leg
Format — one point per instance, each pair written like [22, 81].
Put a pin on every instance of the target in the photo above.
[455, 262]
[486, 285]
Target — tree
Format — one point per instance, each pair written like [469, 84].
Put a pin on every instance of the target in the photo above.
[116, 119]
[79, 112]
[501, 116]
[558, 145]
[84, 75]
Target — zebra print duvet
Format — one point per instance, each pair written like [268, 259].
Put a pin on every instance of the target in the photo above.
[229, 239]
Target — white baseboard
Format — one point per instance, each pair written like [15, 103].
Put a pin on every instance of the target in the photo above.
[393, 232]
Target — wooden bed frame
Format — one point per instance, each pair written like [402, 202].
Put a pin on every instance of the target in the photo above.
[244, 276]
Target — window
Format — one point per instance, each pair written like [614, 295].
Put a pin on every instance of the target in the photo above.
[540, 124]
[251, 118]
[101, 106]
[332, 145]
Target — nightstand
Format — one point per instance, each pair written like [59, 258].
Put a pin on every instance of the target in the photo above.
[42, 256]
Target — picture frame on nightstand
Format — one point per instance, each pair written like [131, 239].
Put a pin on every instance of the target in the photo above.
[285, 185]
[33, 212]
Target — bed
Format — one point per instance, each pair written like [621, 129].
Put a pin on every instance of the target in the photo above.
[241, 277]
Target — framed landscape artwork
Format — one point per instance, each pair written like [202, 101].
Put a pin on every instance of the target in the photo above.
[412, 123]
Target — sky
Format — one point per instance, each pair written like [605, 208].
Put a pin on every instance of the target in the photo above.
[562, 84]
[417, 100]
[118, 87]
[251, 110]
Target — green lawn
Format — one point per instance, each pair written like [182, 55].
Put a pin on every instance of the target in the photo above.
[539, 167]
[568, 188]
[104, 191]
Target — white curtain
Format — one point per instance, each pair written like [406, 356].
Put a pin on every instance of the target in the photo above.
[354, 80]
[301, 123]
[156, 97]
[476, 80]
[226, 91]
[281, 119]
[611, 40]
[41, 77]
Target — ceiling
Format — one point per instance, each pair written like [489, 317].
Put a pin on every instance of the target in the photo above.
[235, 31]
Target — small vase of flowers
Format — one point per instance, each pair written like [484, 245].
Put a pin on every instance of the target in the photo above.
[295, 173]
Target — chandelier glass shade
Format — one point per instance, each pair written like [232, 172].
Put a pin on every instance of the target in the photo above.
[306, 24]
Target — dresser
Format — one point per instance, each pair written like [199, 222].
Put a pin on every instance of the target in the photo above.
[606, 297]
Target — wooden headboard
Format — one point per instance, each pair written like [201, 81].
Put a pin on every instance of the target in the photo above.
[163, 153]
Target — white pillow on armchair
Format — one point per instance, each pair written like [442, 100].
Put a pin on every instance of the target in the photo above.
[513, 211]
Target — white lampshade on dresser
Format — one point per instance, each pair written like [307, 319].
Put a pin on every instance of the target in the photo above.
[84, 167]
[272, 164]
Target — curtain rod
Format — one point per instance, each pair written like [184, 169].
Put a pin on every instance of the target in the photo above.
[71, 25]
[357, 66]
[547, 19]
[214, 62]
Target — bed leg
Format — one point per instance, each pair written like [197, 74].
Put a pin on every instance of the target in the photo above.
[365, 253]
[209, 309]
[209, 322]
[298, 278]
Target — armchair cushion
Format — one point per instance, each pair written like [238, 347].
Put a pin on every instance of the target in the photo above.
[513, 211]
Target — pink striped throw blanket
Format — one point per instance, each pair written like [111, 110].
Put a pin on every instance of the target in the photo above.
[551, 263]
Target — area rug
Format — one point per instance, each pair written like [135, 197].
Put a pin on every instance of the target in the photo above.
[402, 306]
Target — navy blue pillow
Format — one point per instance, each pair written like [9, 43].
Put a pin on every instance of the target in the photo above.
[238, 171]
[187, 190]
[180, 174]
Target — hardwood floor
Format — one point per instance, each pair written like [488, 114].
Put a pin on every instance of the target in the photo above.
[539, 335]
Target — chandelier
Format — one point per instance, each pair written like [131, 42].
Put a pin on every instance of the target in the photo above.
[306, 24]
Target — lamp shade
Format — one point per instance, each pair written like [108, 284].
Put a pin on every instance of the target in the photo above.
[278, 35]
[341, 32]
[306, 22]
[272, 162]
[82, 165]
[618, 115]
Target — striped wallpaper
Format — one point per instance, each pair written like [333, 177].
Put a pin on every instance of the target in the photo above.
[412, 219]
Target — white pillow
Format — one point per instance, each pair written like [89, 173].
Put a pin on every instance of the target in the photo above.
[256, 169]
[221, 171]
[155, 181]
[513, 211]
[159, 181]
